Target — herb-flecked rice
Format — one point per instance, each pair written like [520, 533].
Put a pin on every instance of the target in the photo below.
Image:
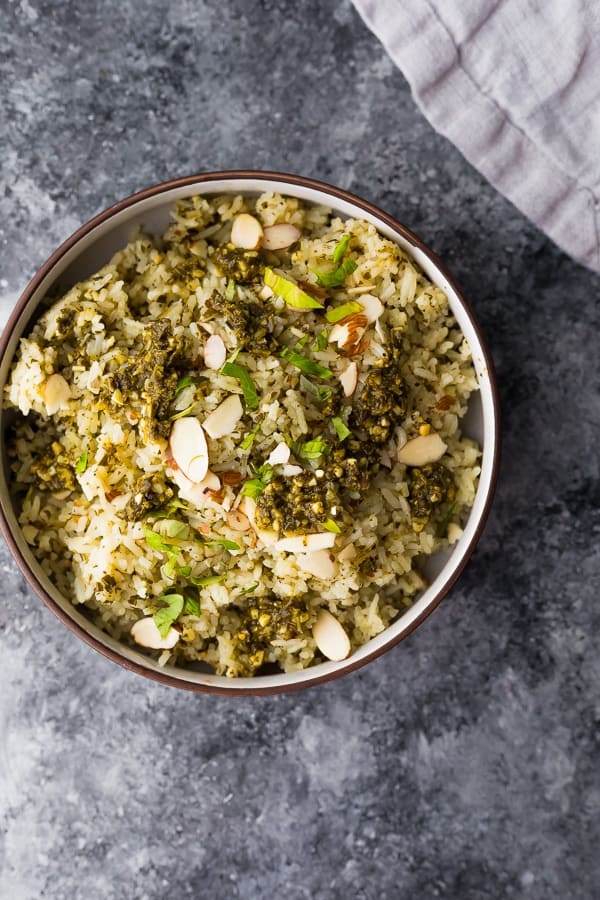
[223, 568]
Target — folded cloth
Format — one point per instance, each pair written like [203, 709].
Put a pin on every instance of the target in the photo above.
[515, 85]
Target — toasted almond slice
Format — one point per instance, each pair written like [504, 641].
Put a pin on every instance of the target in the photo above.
[56, 392]
[278, 237]
[248, 506]
[320, 563]
[215, 352]
[349, 379]
[246, 232]
[349, 552]
[188, 448]
[455, 533]
[348, 333]
[224, 418]
[306, 543]
[372, 306]
[290, 471]
[330, 636]
[146, 634]
[200, 494]
[425, 448]
[238, 521]
[280, 455]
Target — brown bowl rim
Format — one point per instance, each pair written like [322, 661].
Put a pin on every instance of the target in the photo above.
[339, 194]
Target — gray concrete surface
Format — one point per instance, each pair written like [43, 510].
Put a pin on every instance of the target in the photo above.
[463, 764]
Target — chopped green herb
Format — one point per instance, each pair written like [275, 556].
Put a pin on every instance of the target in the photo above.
[320, 342]
[338, 276]
[165, 512]
[208, 579]
[311, 450]
[290, 292]
[230, 290]
[155, 541]
[173, 528]
[340, 312]
[183, 413]
[249, 439]
[184, 571]
[301, 342]
[249, 590]
[234, 370]
[255, 486]
[221, 542]
[340, 249]
[164, 618]
[321, 392]
[308, 366]
[330, 525]
[186, 381]
[341, 428]
[191, 601]
[82, 463]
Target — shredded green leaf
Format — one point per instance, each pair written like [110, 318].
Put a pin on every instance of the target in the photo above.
[230, 290]
[290, 292]
[172, 528]
[183, 413]
[186, 381]
[321, 392]
[301, 341]
[308, 366]
[82, 463]
[208, 579]
[330, 525]
[311, 450]
[341, 428]
[164, 618]
[340, 312]
[155, 541]
[340, 249]
[249, 590]
[191, 603]
[255, 486]
[337, 276]
[249, 439]
[184, 571]
[248, 387]
[320, 342]
[166, 512]
[220, 542]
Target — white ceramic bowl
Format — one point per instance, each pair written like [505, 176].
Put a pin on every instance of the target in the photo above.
[88, 250]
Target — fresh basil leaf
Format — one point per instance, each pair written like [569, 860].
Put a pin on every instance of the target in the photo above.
[82, 463]
[173, 528]
[311, 450]
[308, 366]
[254, 487]
[155, 541]
[164, 618]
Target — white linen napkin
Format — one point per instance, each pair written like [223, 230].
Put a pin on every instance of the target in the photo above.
[515, 85]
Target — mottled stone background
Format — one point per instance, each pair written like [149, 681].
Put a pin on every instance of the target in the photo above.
[464, 764]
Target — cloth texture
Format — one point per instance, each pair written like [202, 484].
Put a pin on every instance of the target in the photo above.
[515, 85]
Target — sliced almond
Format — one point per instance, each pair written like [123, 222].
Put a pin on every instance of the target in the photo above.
[215, 352]
[319, 563]
[146, 634]
[348, 333]
[280, 455]
[200, 494]
[188, 448]
[56, 392]
[248, 507]
[426, 448]
[349, 379]
[349, 552]
[290, 471]
[265, 293]
[330, 636]
[372, 306]
[246, 232]
[224, 418]
[278, 237]
[306, 543]
[455, 533]
[237, 521]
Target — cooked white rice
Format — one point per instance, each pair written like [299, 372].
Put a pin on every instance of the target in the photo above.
[77, 469]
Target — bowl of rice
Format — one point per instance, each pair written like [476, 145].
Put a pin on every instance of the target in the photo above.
[250, 431]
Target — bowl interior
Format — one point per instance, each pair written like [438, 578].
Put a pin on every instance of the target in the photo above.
[91, 250]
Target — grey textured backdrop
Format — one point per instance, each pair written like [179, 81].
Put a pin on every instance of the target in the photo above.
[464, 764]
